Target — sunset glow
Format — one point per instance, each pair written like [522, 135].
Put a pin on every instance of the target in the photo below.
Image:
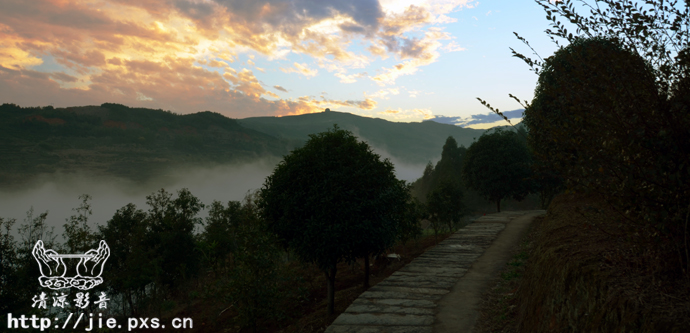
[388, 59]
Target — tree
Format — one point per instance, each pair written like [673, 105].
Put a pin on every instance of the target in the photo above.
[9, 297]
[170, 235]
[589, 97]
[253, 284]
[639, 160]
[498, 166]
[447, 169]
[410, 226]
[218, 238]
[334, 200]
[78, 235]
[129, 268]
[444, 206]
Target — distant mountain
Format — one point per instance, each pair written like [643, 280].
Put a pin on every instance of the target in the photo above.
[138, 143]
[113, 139]
[408, 142]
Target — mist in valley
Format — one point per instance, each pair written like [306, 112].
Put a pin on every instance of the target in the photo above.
[58, 194]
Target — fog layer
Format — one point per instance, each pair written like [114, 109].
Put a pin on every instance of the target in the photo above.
[58, 194]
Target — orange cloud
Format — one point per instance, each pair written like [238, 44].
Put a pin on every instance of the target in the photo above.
[408, 114]
[422, 51]
[310, 105]
[148, 53]
[301, 69]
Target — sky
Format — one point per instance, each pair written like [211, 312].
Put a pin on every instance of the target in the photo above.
[399, 60]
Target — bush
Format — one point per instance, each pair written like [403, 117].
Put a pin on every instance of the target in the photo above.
[601, 120]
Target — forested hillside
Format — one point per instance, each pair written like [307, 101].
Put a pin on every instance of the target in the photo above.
[410, 142]
[138, 143]
[117, 140]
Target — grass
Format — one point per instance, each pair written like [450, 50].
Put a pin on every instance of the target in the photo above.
[498, 310]
[574, 272]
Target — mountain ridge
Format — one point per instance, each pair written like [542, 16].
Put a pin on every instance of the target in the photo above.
[139, 143]
[414, 142]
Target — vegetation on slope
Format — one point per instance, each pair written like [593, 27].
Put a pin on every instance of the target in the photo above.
[113, 139]
[410, 142]
[576, 271]
[610, 120]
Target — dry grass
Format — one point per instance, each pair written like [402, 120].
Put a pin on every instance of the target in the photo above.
[498, 309]
[585, 275]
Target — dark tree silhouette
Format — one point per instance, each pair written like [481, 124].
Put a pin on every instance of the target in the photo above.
[498, 166]
[334, 200]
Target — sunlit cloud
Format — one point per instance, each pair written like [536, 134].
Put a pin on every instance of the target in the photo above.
[383, 93]
[300, 69]
[453, 47]
[481, 121]
[407, 114]
[188, 55]
[307, 104]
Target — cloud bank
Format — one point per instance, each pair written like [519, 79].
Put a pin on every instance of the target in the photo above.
[479, 119]
[184, 55]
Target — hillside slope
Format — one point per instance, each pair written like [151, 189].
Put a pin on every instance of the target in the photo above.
[139, 144]
[116, 140]
[409, 142]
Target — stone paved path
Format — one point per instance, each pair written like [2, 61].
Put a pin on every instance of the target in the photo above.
[407, 301]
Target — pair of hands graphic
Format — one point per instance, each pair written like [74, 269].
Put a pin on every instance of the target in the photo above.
[53, 268]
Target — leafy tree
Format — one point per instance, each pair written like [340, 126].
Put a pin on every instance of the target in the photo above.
[449, 166]
[129, 268]
[253, 284]
[19, 268]
[9, 298]
[421, 187]
[171, 235]
[588, 98]
[334, 200]
[218, 238]
[498, 166]
[78, 235]
[410, 226]
[637, 155]
[447, 169]
[445, 207]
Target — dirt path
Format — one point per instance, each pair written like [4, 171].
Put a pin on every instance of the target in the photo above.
[439, 290]
[458, 310]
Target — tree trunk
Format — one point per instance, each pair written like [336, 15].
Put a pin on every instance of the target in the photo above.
[366, 272]
[498, 205]
[330, 276]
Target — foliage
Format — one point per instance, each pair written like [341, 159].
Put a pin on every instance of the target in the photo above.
[333, 200]
[619, 94]
[657, 33]
[78, 235]
[445, 207]
[218, 238]
[578, 136]
[170, 238]
[447, 169]
[8, 264]
[19, 269]
[134, 143]
[498, 166]
[410, 226]
[129, 269]
[254, 278]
